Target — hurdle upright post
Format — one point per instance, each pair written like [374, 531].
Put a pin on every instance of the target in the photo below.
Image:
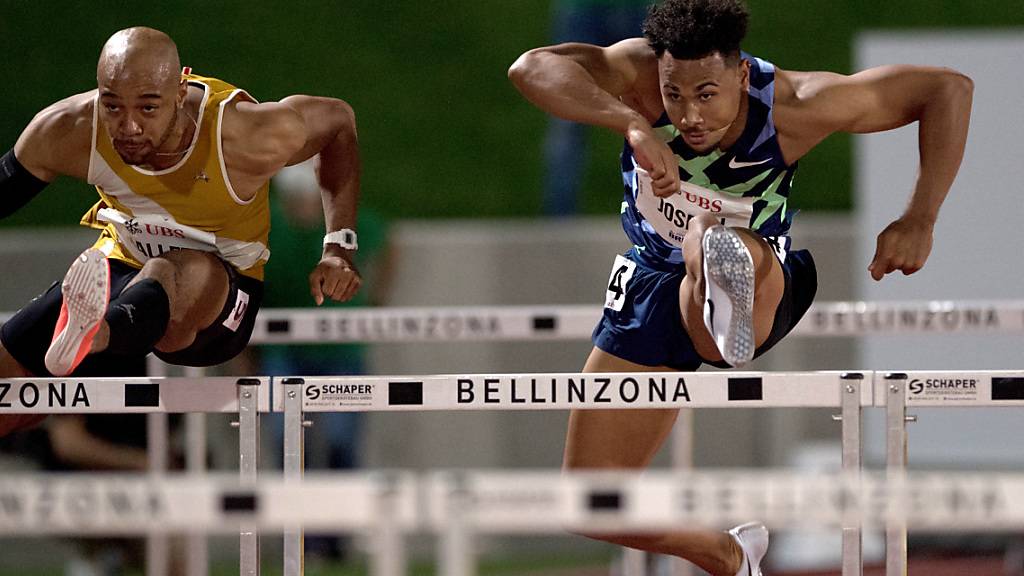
[457, 557]
[198, 562]
[157, 545]
[896, 467]
[682, 459]
[388, 551]
[248, 462]
[294, 443]
[850, 384]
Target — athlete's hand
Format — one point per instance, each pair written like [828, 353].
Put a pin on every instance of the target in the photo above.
[335, 277]
[655, 157]
[904, 245]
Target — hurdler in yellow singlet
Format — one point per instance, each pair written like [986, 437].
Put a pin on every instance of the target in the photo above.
[145, 213]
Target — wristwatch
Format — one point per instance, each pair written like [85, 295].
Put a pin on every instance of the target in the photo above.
[345, 238]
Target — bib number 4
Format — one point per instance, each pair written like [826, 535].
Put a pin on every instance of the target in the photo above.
[618, 282]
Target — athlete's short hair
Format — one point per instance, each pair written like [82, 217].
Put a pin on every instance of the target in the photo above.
[693, 29]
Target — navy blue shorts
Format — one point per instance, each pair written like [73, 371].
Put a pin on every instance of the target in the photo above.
[642, 322]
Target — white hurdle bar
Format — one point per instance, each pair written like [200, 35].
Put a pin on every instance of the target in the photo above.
[576, 322]
[510, 502]
[555, 391]
[247, 397]
[898, 391]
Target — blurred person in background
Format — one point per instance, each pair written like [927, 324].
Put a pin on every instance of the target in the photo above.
[297, 218]
[566, 151]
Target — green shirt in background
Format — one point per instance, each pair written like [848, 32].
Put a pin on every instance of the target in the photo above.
[294, 251]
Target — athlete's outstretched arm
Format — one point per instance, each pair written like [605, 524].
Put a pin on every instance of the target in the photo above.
[586, 83]
[888, 97]
[330, 126]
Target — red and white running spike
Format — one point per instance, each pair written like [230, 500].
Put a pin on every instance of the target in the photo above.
[86, 291]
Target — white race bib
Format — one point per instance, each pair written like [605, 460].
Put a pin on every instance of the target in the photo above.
[150, 235]
[670, 217]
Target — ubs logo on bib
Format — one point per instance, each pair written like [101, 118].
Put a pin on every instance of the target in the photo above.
[670, 216]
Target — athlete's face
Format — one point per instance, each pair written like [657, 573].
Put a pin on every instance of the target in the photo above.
[702, 97]
[140, 111]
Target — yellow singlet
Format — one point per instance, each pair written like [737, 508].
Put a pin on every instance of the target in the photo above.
[144, 213]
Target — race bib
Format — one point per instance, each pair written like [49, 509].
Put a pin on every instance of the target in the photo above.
[670, 217]
[150, 235]
[618, 282]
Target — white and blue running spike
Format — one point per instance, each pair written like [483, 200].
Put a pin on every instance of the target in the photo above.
[729, 294]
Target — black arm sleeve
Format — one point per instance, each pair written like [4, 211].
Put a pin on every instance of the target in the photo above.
[17, 185]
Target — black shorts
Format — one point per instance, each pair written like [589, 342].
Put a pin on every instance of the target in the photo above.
[27, 335]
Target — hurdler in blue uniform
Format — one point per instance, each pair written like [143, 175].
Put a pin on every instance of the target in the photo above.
[713, 136]
[745, 186]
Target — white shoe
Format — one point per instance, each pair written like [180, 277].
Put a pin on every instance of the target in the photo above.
[729, 294]
[753, 540]
[86, 292]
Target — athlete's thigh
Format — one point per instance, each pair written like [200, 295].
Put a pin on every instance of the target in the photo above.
[616, 438]
[200, 286]
[769, 285]
[9, 367]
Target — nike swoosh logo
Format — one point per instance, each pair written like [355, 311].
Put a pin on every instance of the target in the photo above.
[711, 306]
[734, 164]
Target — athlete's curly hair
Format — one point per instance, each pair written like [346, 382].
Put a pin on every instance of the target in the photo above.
[693, 29]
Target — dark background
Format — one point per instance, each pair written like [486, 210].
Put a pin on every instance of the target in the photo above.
[443, 133]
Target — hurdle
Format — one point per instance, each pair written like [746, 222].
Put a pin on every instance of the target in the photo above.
[575, 322]
[846, 391]
[247, 397]
[899, 391]
[454, 505]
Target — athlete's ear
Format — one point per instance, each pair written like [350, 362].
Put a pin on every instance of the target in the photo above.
[745, 73]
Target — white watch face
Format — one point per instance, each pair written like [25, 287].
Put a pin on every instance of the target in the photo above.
[345, 238]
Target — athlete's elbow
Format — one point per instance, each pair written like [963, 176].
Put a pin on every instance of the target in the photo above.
[517, 71]
[957, 85]
[343, 116]
[525, 66]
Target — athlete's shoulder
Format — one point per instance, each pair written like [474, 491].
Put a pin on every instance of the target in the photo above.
[258, 135]
[58, 140]
[267, 120]
[637, 55]
[67, 118]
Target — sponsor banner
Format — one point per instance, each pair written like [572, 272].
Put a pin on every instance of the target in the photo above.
[511, 323]
[962, 388]
[517, 502]
[122, 395]
[566, 391]
[218, 503]
[937, 317]
[441, 324]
